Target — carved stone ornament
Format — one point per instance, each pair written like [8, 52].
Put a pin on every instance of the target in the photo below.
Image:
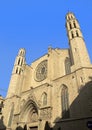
[41, 71]
[46, 113]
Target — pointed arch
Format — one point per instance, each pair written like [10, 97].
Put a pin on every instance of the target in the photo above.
[44, 99]
[65, 101]
[19, 61]
[29, 113]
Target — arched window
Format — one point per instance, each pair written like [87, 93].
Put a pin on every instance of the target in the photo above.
[11, 115]
[65, 102]
[72, 34]
[77, 33]
[74, 24]
[67, 65]
[19, 61]
[16, 70]
[70, 25]
[44, 99]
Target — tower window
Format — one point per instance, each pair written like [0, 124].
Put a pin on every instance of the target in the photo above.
[70, 25]
[16, 70]
[72, 34]
[77, 34]
[74, 25]
[2, 103]
[0, 110]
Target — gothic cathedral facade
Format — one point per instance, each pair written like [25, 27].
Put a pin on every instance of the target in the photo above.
[54, 92]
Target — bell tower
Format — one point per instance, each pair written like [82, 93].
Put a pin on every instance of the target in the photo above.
[17, 74]
[78, 51]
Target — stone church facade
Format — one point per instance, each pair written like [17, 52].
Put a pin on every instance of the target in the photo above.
[54, 92]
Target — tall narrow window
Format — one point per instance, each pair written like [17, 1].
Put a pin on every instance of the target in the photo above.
[44, 99]
[0, 110]
[77, 33]
[74, 25]
[70, 25]
[67, 65]
[72, 34]
[71, 17]
[19, 61]
[11, 115]
[16, 70]
[65, 102]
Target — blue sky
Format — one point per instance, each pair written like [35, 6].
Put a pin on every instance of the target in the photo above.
[35, 25]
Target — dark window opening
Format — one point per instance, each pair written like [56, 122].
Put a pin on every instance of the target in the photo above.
[72, 34]
[74, 25]
[77, 34]
[18, 61]
[70, 25]
[2, 103]
[16, 70]
[0, 110]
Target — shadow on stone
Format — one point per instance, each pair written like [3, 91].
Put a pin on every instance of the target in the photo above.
[2, 126]
[47, 126]
[19, 128]
[80, 111]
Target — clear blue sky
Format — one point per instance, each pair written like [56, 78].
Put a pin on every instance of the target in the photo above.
[35, 25]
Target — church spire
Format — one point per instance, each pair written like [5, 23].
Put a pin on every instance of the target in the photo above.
[78, 51]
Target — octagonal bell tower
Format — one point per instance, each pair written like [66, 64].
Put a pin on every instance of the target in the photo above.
[17, 74]
[78, 51]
